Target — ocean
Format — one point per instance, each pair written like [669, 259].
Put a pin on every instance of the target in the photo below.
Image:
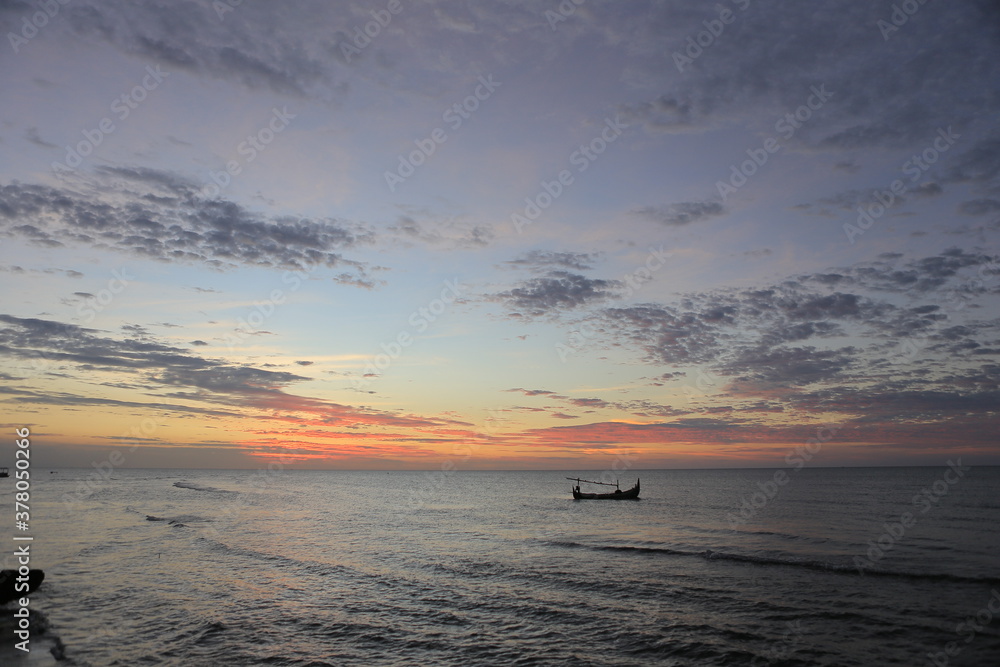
[834, 566]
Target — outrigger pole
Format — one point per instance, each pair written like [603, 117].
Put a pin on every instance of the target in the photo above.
[578, 480]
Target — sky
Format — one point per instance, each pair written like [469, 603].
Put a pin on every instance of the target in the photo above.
[510, 235]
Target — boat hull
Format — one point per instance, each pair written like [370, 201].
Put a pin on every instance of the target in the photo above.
[631, 494]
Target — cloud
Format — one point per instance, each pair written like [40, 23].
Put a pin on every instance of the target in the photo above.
[788, 366]
[532, 392]
[179, 375]
[671, 113]
[260, 47]
[766, 60]
[885, 92]
[979, 206]
[557, 291]
[74, 400]
[537, 260]
[31, 134]
[683, 213]
[815, 328]
[899, 425]
[588, 402]
[849, 166]
[888, 274]
[847, 201]
[51, 341]
[165, 220]
[299, 51]
[451, 233]
[875, 404]
[978, 166]
[930, 189]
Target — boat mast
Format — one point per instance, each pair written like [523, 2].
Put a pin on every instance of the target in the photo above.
[578, 480]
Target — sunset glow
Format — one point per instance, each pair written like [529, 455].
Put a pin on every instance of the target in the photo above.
[238, 239]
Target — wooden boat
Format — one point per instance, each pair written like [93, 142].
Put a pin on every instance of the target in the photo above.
[617, 494]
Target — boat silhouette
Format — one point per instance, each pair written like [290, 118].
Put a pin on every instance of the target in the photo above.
[617, 494]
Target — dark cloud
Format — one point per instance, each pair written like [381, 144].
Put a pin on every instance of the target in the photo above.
[166, 220]
[890, 274]
[788, 366]
[847, 201]
[978, 166]
[886, 92]
[257, 46]
[557, 291]
[930, 189]
[879, 403]
[135, 329]
[298, 51]
[452, 234]
[816, 328]
[672, 113]
[683, 213]
[849, 166]
[532, 392]
[645, 408]
[51, 341]
[545, 259]
[172, 183]
[588, 402]
[31, 134]
[979, 206]
[149, 364]
[226, 379]
[667, 334]
[74, 400]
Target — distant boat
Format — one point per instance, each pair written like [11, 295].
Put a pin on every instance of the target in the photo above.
[617, 494]
[4, 473]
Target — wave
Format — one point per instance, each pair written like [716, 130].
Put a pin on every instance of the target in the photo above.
[199, 487]
[177, 521]
[834, 568]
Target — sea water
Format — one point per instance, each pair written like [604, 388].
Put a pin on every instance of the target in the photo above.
[849, 566]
